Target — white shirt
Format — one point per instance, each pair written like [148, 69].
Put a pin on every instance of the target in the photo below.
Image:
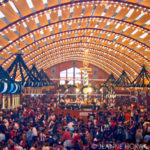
[2, 137]
[70, 125]
[34, 132]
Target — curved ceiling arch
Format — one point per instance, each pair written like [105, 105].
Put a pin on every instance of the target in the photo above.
[102, 58]
[93, 62]
[106, 30]
[73, 57]
[81, 48]
[73, 30]
[123, 46]
[107, 55]
[81, 3]
[92, 30]
[99, 58]
[99, 46]
[92, 19]
[74, 38]
[120, 27]
[92, 16]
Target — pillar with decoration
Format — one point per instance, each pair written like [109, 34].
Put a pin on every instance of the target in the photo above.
[3, 101]
[85, 83]
[85, 71]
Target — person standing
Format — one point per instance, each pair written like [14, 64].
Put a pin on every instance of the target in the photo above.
[67, 139]
[34, 134]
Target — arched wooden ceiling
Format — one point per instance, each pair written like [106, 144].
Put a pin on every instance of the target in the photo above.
[115, 33]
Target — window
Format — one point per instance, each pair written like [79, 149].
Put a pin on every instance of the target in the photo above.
[77, 75]
[72, 75]
[62, 77]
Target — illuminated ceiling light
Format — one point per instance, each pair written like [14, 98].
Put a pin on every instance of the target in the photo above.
[30, 4]
[1, 15]
[143, 35]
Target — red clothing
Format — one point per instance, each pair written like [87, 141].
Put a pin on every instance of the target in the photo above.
[75, 139]
[113, 124]
[127, 115]
[66, 136]
[12, 134]
[58, 147]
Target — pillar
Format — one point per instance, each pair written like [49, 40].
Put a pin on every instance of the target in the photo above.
[3, 102]
[9, 100]
[85, 82]
[18, 102]
[13, 101]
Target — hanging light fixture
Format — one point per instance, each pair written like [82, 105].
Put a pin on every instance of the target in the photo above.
[3, 2]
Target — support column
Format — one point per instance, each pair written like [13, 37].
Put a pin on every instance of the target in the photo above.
[18, 100]
[9, 105]
[3, 102]
[85, 82]
[13, 101]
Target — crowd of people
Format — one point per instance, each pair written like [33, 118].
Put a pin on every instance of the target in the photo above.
[35, 126]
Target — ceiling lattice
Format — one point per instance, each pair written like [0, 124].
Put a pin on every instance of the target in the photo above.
[115, 33]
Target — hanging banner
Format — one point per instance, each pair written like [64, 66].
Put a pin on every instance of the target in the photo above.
[11, 88]
[5, 87]
[15, 88]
